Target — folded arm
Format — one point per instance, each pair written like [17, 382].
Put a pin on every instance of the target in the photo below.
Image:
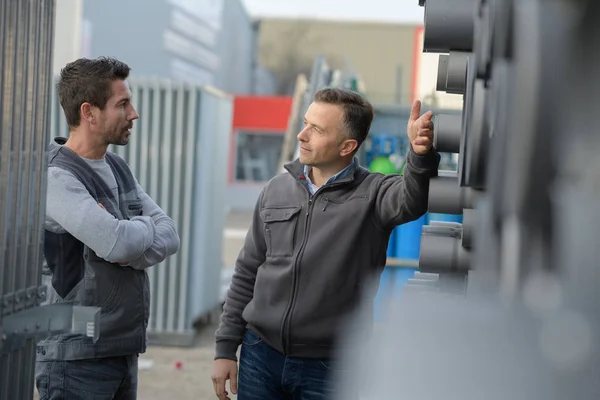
[70, 205]
[166, 239]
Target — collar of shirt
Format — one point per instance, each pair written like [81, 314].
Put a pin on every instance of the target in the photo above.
[349, 169]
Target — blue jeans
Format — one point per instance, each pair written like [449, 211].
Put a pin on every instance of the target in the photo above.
[113, 378]
[266, 374]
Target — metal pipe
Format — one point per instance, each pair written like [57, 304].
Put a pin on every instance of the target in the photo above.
[447, 130]
[447, 197]
[7, 178]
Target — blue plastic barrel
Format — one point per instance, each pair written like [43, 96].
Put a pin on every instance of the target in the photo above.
[405, 243]
[391, 282]
[444, 217]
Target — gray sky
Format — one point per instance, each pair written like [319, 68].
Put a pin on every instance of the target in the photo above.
[380, 10]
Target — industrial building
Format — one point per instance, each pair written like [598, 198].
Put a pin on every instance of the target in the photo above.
[203, 42]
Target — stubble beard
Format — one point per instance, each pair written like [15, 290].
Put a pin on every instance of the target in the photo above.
[118, 139]
[305, 160]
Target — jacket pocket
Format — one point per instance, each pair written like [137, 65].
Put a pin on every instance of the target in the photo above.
[280, 230]
[133, 208]
[101, 282]
[64, 257]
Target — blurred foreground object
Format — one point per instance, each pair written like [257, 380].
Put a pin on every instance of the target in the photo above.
[527, 325]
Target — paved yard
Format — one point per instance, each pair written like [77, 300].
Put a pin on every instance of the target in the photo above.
[165, 381]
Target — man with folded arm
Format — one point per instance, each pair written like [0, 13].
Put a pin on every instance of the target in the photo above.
[101, 233]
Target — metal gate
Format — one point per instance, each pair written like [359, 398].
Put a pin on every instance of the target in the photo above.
[178, 152]
[26, 33]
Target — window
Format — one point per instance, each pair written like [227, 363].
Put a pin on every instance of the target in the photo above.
[257, 155]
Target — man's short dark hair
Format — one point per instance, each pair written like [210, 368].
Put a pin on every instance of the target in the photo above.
[358, 112]
[88, 80]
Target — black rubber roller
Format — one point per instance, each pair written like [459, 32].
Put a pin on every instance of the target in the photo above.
[449, 25]
[447, 197]
[447, 130]
[456, 81]
[442, 251]
[452, 72]
[442, 76]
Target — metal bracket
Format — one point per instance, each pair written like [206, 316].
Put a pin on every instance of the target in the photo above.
[6, 304]
[21, 300]
[40, 322]
[445, 283]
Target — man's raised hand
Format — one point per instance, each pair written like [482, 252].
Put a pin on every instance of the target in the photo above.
[420, 129]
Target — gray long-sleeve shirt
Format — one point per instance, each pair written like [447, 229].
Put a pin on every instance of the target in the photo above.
[140, 242]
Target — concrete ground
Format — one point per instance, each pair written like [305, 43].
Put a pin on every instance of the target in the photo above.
[163, 379]
[167, 379]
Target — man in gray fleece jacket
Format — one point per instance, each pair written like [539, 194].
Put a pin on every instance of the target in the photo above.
[101, 233]
[319, 235]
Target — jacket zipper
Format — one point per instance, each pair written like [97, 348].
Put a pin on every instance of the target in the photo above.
[287, 316]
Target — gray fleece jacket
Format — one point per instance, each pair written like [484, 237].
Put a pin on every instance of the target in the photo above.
[97, 257]
[307, 258]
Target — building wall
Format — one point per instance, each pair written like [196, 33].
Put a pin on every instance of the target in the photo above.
[114, 31]
[381, 53]
[237, 49]
[207, 42]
